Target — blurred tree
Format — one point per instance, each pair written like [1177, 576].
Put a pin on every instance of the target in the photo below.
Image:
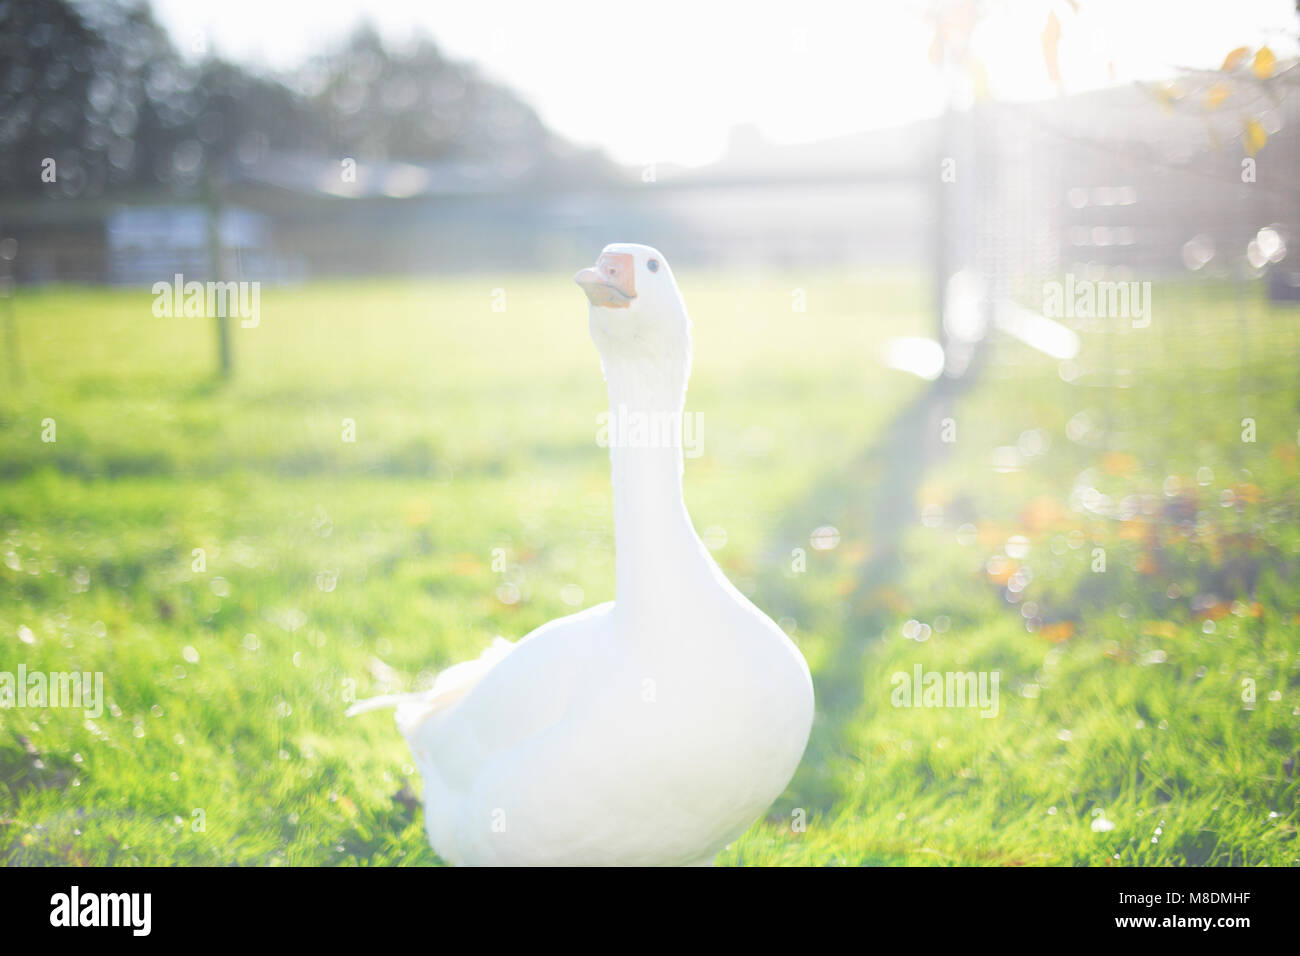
[102, 91]
[47, 60]
[414, 104]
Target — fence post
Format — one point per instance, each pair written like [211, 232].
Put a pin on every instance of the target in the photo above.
[216, 261]
[8, 252]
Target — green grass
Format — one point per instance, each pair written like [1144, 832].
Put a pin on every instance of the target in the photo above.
[336, 568]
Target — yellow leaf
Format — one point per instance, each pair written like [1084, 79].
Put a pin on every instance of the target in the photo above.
[1235, 58]
[979, 79]
[417, 511]
[1167, 94]
[1051, 48]
[1264, 63]
[934, 492]
[936, 48]
[1216, 95]
[1165, 629]
[1213, 134]
[1253, 137]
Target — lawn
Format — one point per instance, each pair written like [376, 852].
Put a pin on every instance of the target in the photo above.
[239, 572]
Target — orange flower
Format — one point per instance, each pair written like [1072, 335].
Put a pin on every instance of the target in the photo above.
[465, 566]
[1057, 631]
[1042, 512]
[854, 553]
[1248, 492]
[1217, 611]
[892, 599]
[1118, 463]
[1001, 572]
[1134, 530]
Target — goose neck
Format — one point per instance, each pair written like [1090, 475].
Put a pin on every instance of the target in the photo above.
[654, 541]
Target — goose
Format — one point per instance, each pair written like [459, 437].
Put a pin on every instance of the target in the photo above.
[649, 730]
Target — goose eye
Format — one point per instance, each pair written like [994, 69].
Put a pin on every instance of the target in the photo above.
[653, 265]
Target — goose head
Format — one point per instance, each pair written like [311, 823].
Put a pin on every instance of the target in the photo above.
[636, 312]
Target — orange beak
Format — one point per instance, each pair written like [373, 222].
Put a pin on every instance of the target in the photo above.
[611, 282]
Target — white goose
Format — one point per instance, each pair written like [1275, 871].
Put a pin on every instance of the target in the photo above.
[653, 729]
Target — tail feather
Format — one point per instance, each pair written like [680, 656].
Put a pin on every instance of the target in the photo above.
[451, 685]
[379, 703]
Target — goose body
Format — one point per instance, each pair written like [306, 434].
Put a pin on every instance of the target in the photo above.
[650, 730]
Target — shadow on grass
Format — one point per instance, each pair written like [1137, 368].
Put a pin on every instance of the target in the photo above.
[879, 486]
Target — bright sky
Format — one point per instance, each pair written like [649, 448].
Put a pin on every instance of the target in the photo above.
[666, 80]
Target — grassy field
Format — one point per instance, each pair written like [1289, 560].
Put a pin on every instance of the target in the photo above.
[328, 568]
